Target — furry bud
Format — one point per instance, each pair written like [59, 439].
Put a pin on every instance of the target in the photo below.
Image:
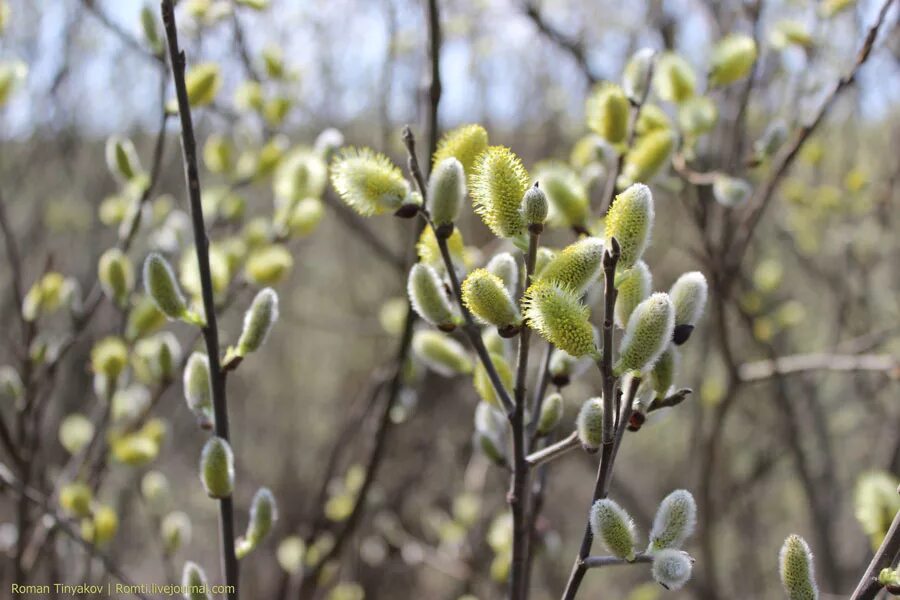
[198, 389]
[104, 525]
[635, 77]
[577, 266]
[75, 499]
[464, 143]
[499, 182]
[203, 82]
[647, 334]
[630, 220]
[268, 265]
[263, 513]
[566, 193]
[151, 30]
[75, 432]
[160, 283]
[770, 142]
[674, 79]
[440, 353]
[795, 564]
[45, 296]
[674, 522]
[258, 321]
[731, 191]
[491, 447]
[483, 384]
[732, 59]
[504, 266]
[116, 275]
[428, 298]
[607, 113]
[551, 413]
[697, 116]
[535, 208]
[11, 386]
[194, 582]
[544, 256]
[589, 424]
[649, 154]
[122, 159]
[446, 191]
[217, 468]
[176, 531]
[368, 181]
[109, 357]
[614, 526]
[633, 288]
[672, 568]
[562, 367]
[560, 317]
[485, 296]
[662, 377]
[688, 295]
[156, 491]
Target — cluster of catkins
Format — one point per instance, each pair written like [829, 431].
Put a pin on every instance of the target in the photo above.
[217, 458]
[556, 302]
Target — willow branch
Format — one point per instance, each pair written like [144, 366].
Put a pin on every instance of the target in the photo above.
[572, 46]
[554, 451]
[802, 363]
[868, 587]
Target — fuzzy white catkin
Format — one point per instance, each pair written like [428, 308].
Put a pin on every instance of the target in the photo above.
[674, 522]
[612, 524]
[672, 568]
[194, 582]
[589, 424]
[446, 191]
[426, 294]
[160, 283]
[647, 334]
[795, 565]
[258, 321]
[504, 266]
[689, 294]
[198, 388]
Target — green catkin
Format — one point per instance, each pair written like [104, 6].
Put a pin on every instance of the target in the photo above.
[566, 194]
[577, 266]
[650, 153]
[551, 413]
[368, 181]
[484, 294]
[673, 78]
[75, 499]
[732, 59]
[160, 284]
[607, 112]
[635, 76]
[428, 298]
[674, 522]
[446, 191]
[535, 207]
[443, 355]
[615, 527]
[647, 334]
[560, 317]
[202, 82]
[465, 144]
[634, 287]
[562, 367]
[662, 377]
[688, 295]
[505, 266]
[194, 582]
[731, 191]
[258, 321]
[217, 468]
[156, 491]
[672, 568]
[176, 531]
[116, 275]
[109, 357]
[876, 502]
[263, 513]
[490, 446]
[482, 381]
[795, 565]
[544, 256]
[652, 118]
[589, 424]
[630, 220]
[697, 116]
[198, 389]
[498, 184]
[122, 159]
[488, 419]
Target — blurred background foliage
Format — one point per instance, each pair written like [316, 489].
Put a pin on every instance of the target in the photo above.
[814, 451]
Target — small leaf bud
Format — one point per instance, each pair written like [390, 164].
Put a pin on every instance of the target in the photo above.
[535, 208]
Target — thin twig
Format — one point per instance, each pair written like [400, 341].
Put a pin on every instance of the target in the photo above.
[595, 562]
[201, 242]
[801, 363]
[868, 587]
[554, 451]
[574, 47]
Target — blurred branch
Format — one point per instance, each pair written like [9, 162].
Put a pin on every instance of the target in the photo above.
[785, 157]
[554, 451]
[9, 480]
[353, 222]
[573, 46]
[126, 38]
[201, 243]
[800, 363]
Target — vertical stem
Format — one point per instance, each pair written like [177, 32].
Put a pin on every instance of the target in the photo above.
[518, 495]
[434, 88]
[201, 242]
[868, 586]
